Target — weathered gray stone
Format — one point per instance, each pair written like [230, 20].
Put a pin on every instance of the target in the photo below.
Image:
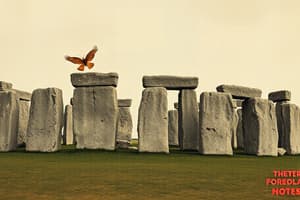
[280, 122]
[94, 79]
[5, 85]
[239, 131]
[188, 120]
[153, 121]
[23, 95]
[238, 103]
[291, 128]
[8, 120]
[173, 127]
[124, 102]
[234, 129]
[95, 116]
[170, 82]
[24, 108]
[281, 151]
[216, 121]
[260, 128]
[68, 137]
[45, 120]
[176, 105]
[124, 130]
[282, 95]
[240, 92]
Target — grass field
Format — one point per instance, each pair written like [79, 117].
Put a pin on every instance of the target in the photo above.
[83, 174]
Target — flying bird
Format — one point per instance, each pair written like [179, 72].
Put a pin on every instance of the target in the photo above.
[85, 61]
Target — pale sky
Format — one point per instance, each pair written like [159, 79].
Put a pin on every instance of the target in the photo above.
[244, 42]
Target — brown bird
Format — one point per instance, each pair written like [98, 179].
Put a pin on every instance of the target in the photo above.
[84, 61]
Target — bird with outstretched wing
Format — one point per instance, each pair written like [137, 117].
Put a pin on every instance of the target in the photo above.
[85, 61]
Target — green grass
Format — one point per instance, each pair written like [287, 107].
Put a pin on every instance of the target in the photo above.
[84, 174]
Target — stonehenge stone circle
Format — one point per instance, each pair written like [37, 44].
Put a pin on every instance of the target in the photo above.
[95, 116]
[173, 127]
[188, 120]
[125, 125]
[216, 117]
[282, 95]
[240, 92]
[24, 109]
[45, 120]
[260, 128]
[94, 79]
[9, 109]
[68, 137]
[170, 82]
[153, 120]
[291, 128]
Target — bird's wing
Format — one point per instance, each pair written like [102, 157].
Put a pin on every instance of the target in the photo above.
[91, 54]
[74, 60]
[90, 65]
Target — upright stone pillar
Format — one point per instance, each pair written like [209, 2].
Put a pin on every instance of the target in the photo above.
[124, 130]
[260, 128]
[8, 120]
[188, 120]
[153, 121]
[216, 118]
[95, 110]
[24, 108]
[239, 131]
[45, 120]
[173, 127]
[68, 137]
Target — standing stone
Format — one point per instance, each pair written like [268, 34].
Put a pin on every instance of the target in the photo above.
[124, 130]
[234, 129]
[280, 122]
[95, 115]
[153, 121]
[188, 120]
[216, 118]
[45, 120]
[8, 121]
[24, 108]
[173, 127]
[291, 128]
[239, 131]
[260, 128]
[68, 137]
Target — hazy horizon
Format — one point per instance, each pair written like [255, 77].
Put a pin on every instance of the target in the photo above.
[242, 42]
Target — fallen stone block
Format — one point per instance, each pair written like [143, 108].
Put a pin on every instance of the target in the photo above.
[124, 130]
[24, 109]
[68, 137]
[45, 120]
[173, 127]
[260, 128]
[8, 121]
[240, 92]
[124, 102]
[282, 95]
[153, 121]
[188, 120]
[216, 117]
[94, 79]
[95, 117]
[170, 82]
[291, 128]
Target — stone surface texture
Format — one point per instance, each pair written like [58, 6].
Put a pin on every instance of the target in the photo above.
[240, 92]
[216, 122]
[281, 95]
[125, 125]
[94, 79]
[170, 82]
[124, 102]
[188, 120]
[95, 117]
[239, 130]
[24, 108]
[173, 127]
[68, 136]
[153, 120]
[260, 127]
[45, 120]
[9, 109]
[5, 85]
